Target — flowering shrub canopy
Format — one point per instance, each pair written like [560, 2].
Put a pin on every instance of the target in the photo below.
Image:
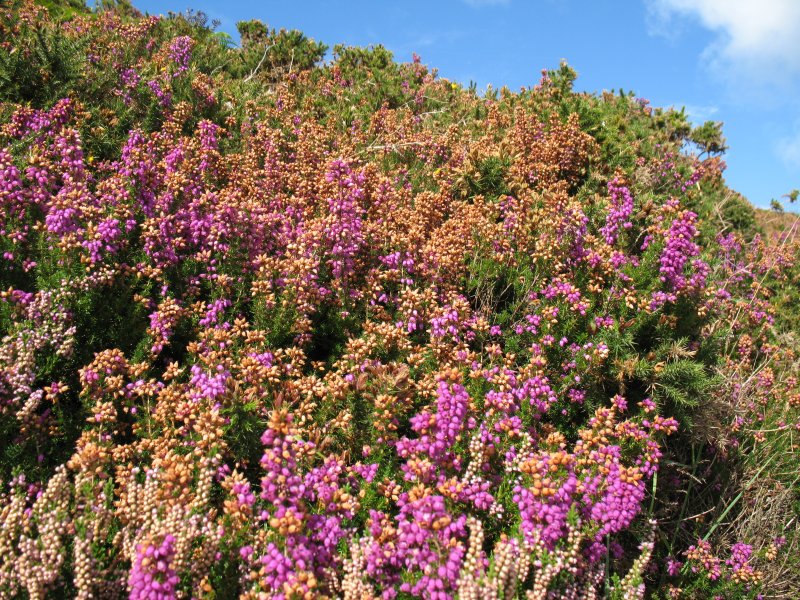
[279, 329]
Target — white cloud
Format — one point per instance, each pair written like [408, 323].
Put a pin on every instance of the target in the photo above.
[755, 40]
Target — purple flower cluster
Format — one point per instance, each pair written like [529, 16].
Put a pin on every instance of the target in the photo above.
[152, 576]
[437, 434]
[12, 199]
[538, 391]
[207, 386]
[180, 52]
[104, 241]
[447, 322]
[129, 80]
[421, 553]
[27, 121]
[138, 164]
[620, 499]
[343, 231]
[568, 292]
[544, 518]
[679, 248]
[619, 211]
[164, 96]
[208, 133]
[309, 539]
[215, 309]
[740, 556]
[431, 542]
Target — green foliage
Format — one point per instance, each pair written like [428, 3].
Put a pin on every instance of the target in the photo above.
[709, 138]
[488, 179]
[675, 124]
[41, 70]
[276, 52]
[738, 215]
[64, 9]
[353, 59]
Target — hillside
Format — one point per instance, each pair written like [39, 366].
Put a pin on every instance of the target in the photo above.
[773, 224]
[281, 327]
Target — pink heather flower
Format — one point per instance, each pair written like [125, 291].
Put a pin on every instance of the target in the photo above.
[152, 576]
[673, 567]
[620, 403]
[679, 248]
[180, 51]
[619, 211]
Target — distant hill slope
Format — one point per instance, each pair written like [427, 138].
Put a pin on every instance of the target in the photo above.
[774, 223]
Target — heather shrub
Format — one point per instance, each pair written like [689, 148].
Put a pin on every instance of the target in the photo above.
[279, 328]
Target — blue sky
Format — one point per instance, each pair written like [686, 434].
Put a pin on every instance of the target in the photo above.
[736, 61]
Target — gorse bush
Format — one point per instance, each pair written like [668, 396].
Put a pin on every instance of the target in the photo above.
[279, 328]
